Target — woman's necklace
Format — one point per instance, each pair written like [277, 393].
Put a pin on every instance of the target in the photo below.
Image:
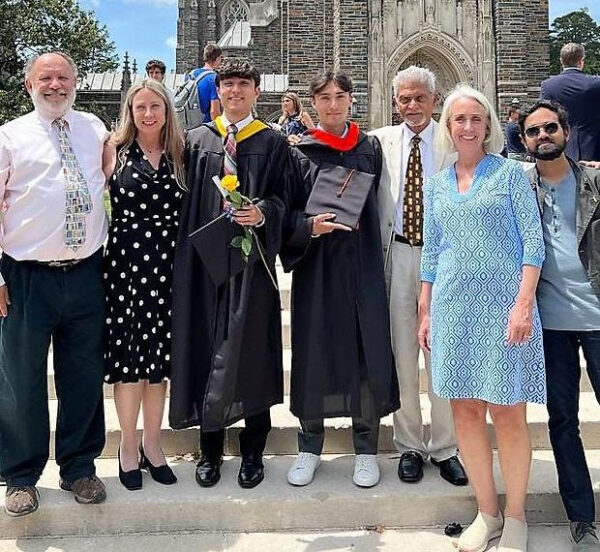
[149, 151]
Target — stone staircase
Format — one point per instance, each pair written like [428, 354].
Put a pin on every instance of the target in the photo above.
[330, 503]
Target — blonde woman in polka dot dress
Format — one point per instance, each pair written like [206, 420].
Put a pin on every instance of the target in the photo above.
[145, 195]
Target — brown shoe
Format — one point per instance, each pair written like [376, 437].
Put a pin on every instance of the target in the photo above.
[87, 490]
[21, 501]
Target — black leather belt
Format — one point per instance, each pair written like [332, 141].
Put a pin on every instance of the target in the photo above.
[65, 265]
[402, 239]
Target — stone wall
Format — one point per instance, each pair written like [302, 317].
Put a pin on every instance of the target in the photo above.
[522, 55]
[309, 36]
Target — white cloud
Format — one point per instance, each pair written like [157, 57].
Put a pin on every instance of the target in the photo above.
[171, 42]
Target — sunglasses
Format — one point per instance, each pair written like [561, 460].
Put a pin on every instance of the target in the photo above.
[534, 131]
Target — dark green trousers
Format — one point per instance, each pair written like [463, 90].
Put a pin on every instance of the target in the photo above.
[67, 307]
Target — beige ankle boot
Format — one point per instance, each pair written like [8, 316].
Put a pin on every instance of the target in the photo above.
[483, 529]
[514, 536]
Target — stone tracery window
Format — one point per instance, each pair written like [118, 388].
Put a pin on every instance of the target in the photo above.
[232, 12]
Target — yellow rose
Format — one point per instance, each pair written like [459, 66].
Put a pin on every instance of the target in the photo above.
[230, 182]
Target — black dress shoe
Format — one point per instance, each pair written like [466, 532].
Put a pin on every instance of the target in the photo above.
[452, 471]
[131, 480]
[252, 472]
[161, 474]
[208, 472]
[410, 467]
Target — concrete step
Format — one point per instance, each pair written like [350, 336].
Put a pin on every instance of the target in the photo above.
[287, 366]
[109, 391]
[542, 538]
[330, 502]
[338, 431]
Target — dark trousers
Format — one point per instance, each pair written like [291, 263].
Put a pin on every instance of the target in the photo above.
[563, 372]
[365, 429]
[253, 438]
[67, 307]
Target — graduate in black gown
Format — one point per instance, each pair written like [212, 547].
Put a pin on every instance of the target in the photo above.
[342, 361]
[227, 357]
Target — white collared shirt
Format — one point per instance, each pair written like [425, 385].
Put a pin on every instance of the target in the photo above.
[427, 159]
[240, 124]
[32, 186]
[344, 134]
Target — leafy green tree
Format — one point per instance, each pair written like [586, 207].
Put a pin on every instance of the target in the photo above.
[32, 26]
[577, 26]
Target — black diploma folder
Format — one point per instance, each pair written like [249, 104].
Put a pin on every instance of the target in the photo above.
[213, 244]
[341, 191]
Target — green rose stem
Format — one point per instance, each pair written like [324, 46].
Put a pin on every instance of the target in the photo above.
[244, 242]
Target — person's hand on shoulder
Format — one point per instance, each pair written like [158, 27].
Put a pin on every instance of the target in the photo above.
[4, 300]
[591, 164]
[109, 158]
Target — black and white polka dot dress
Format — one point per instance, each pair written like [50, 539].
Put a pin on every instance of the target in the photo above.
[138, 264]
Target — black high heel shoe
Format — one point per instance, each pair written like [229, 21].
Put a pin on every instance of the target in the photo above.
[161, 474]
[131, 480]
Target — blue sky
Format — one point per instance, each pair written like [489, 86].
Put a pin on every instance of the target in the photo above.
[148, 28]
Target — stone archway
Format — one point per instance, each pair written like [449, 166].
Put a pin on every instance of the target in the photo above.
[446, 75]
[443, 55]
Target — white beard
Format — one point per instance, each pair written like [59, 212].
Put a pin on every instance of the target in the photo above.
[52, 110]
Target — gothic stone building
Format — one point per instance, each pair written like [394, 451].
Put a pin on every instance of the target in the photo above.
[499, 46]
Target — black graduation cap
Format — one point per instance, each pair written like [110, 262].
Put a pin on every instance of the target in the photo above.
[213, 243]
[342, 191]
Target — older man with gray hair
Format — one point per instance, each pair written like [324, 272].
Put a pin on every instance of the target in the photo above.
[53, 228]
[409, 157]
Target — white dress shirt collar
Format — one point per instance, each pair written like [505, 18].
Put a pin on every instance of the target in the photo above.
[426, 134]
[48, 120]
[346, 128]
[240, 124]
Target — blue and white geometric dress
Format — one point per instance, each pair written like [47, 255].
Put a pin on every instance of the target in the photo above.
[474, 247]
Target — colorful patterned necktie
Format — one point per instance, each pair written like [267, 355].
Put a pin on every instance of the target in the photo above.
[78, 201]
[412, 212]
[230, 147]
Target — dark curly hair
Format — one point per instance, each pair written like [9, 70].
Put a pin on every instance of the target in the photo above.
[156, 63]
[237, 68]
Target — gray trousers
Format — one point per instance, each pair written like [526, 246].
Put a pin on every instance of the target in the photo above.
[365, 430]
[408, 421]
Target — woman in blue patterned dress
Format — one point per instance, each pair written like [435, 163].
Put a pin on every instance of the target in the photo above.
[483, 249]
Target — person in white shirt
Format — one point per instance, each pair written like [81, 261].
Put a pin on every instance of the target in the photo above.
[53, 228]
[409, 157]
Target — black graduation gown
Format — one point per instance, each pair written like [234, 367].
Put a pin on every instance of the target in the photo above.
[226, 340]
[340, 317]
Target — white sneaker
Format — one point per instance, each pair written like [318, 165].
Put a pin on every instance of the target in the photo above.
[366, 470]
[303, 469]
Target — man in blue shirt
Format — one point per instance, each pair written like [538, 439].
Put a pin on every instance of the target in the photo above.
[569, 301]
[207, 90]
[514, 147]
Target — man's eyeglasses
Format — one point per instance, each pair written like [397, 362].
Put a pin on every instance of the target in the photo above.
[534, 131]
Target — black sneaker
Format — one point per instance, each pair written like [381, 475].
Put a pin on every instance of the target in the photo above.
[583, 535]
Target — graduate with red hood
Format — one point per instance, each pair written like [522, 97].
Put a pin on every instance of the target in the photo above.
[342, 361]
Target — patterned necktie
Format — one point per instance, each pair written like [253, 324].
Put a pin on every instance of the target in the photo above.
[230, 147]
[78, 201]
[412, 212]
